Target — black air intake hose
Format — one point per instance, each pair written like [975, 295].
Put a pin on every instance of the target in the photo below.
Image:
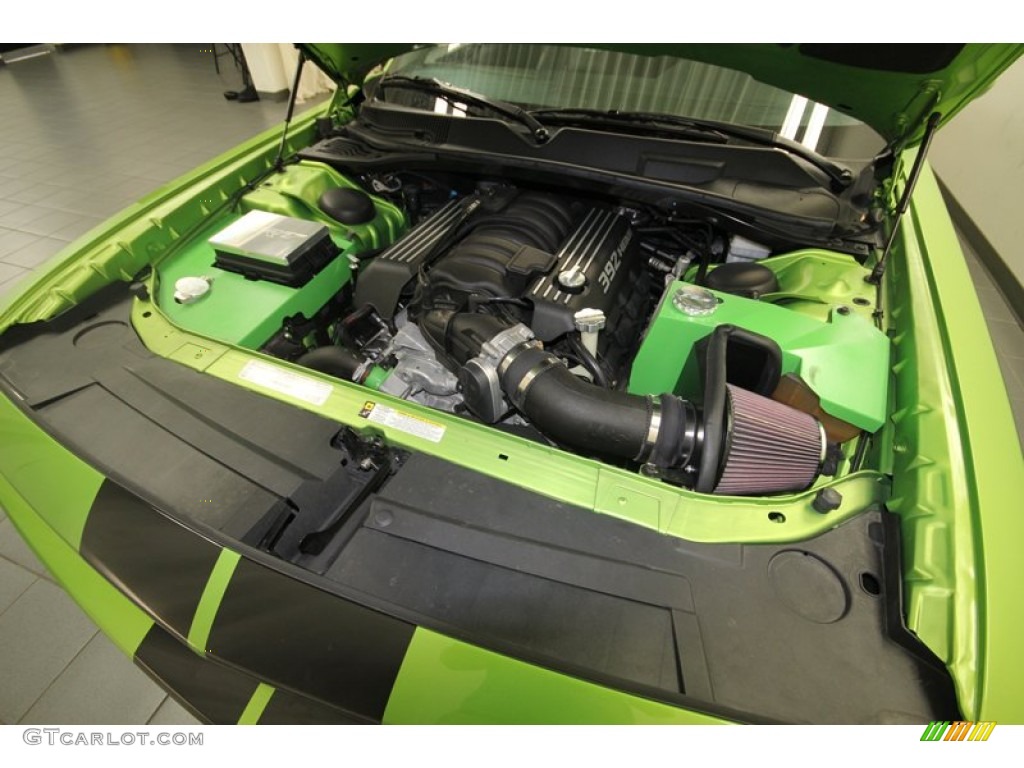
[761, 446]
[335, 361]
[662, 431]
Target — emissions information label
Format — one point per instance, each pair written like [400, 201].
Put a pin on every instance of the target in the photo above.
[286, 382]
[403, 422]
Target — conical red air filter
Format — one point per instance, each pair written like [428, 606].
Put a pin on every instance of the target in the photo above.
[770, 447]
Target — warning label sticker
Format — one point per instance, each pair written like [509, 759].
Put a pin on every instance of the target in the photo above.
[403, 422]
[286, 382]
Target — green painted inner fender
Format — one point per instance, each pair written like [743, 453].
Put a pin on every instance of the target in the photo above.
[820, 318]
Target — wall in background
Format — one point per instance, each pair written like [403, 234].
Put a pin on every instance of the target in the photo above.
[979, 156]
[272, 66]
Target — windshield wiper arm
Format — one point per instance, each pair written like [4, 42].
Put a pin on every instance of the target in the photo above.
[456, 96]
[716, 130]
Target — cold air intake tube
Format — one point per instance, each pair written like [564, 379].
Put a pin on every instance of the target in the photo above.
[501, 365]
[660, 431]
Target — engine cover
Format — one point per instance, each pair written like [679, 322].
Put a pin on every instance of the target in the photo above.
[525, 256]
[503, 253]
[592, 269]
[559, 257]
[383, 280]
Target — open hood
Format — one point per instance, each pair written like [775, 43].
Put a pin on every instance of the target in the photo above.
[892, 88]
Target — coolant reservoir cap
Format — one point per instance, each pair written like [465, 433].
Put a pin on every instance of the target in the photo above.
[695, 301]
[190, 289]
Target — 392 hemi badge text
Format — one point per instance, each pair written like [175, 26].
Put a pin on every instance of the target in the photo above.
[611, 267]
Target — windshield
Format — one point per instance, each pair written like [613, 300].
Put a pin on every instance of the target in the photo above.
[539, 76]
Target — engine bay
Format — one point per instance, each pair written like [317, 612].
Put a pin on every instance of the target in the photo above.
[658, 342]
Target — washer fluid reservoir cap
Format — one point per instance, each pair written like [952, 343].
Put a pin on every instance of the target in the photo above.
[190, 289]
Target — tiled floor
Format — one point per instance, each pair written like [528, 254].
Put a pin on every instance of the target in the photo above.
[85, 132]
[82, 134]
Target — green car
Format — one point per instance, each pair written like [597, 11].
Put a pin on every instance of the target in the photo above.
[535, 383]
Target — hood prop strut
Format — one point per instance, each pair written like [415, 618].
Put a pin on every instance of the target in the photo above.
[279, 162]
[933, 122]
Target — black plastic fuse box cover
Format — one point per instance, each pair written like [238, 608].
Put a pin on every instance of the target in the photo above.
[267, 246]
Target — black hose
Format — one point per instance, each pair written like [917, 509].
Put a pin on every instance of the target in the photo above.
[600, 422]
[662, 431]
[574, 412]
[596, 370]
[334, 361]
[702, 271]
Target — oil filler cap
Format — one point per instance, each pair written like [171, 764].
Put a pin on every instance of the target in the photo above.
[572, 280]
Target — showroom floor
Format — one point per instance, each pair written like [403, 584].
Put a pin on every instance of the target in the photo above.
[83, 133]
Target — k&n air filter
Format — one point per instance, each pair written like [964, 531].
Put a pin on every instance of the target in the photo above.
[770, 447]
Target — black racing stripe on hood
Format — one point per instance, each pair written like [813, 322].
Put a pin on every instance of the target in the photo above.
[218, 694]
[214, 692]
[158, 563]
[305, 639]
[286, 708]
[269, 625]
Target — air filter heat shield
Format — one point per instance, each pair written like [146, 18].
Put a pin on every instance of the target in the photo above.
[771, 448]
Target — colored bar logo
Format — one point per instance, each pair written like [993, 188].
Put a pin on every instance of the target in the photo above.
[958, 731]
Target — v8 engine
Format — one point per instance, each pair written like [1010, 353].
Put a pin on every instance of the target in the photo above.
[526, 308]
[559, 266]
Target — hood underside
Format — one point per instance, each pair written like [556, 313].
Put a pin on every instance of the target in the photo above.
[892, 88]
